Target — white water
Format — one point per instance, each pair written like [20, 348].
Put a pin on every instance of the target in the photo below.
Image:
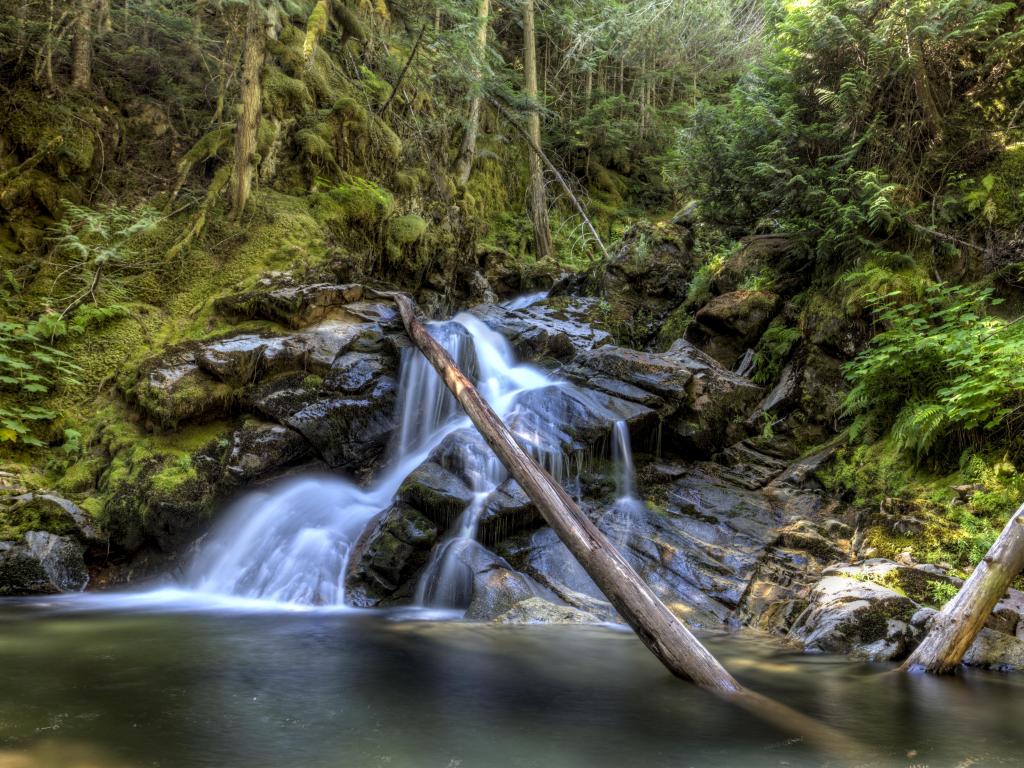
[628, 503]
[290, 543]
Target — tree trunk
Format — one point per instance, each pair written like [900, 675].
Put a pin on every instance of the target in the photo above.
[959, 622]
[247, 127]
[467, 150]
[81, 47]
[536, 150]
[538, 198]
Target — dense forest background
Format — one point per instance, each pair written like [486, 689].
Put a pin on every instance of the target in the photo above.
[857, 164]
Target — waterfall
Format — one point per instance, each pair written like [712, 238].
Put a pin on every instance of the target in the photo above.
[290, 543]
[622, 455]
[628, 504]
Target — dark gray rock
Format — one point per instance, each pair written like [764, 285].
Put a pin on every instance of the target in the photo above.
[295, 306]
[388, 555]
[700, 403]
[44, 563]
[259, 449]
[552, 328]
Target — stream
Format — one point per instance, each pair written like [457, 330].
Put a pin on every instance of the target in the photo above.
[253, 658]
[90, 681]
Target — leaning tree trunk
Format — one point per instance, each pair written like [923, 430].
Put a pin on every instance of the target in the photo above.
[959, 622]
[467, 150]
[81, 47]
[538, 198]
[248, 122]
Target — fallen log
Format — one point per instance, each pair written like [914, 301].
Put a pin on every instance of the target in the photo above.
[961, 619]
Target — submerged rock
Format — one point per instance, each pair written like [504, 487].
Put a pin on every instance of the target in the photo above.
[44, 563]
[536, 610]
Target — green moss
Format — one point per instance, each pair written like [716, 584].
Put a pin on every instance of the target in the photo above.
[358, 201]
[674, 326]
[284, 96]
[406, 229]
[773, 350]
[42, 516]
[911, 508]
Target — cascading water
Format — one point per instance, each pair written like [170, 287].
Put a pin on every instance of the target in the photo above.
[290, 543]
[622, 455]
[628, 504]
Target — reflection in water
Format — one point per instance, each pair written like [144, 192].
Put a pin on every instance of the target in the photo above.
[318, 688]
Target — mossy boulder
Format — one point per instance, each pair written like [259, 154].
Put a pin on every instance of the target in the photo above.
[292, 305]
[731, 323]
[171, 390]
[861, 618]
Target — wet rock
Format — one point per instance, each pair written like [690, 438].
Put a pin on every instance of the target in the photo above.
[347, 417]
[571, 418]
[259, 449]
[536, 610]
[700, 402]
[44, 563]
[699, 552]
[497, 589]
[172, 389]
[996, 650]
[439, 493]
[389, 554]
[730, 323]
[552, 328]
[857, 617]
[295, 306]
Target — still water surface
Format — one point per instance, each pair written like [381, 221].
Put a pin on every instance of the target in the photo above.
[82, 684]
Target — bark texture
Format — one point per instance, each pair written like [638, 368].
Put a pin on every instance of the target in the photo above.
[467, 150]
[81, 47]
[247, 126]
[962, 618]
[538, 197]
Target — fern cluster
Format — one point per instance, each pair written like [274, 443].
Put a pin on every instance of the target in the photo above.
[943, 371]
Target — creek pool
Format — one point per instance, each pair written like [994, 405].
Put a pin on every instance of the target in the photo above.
[84, 683]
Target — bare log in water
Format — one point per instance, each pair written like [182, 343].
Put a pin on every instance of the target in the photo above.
[962, 618]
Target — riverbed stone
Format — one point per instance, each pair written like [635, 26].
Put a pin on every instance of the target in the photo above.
[42, 564]
[858, 617]
[537, 610]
